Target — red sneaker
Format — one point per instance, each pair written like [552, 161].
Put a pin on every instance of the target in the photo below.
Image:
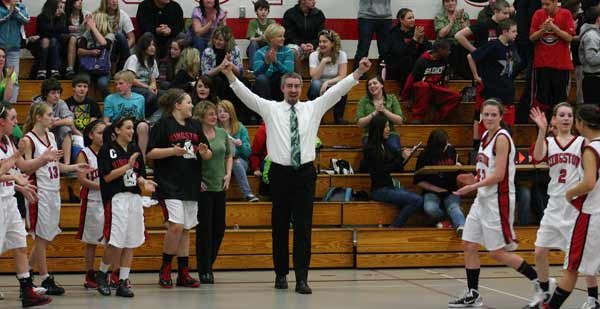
[32, 299]
[164, 277]
[114, 279]
[90, 280]
[185, 280]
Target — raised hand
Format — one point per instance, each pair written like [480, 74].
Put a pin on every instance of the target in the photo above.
[539, 118]
[364, 65]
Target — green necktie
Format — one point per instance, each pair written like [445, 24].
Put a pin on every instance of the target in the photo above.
[294, 138]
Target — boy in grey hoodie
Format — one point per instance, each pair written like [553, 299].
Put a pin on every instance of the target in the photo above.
[589, 55]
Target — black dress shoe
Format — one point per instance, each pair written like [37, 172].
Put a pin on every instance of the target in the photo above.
[207, 278]
[302, 287]
[281, 283]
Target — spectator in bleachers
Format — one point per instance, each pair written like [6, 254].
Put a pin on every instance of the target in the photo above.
[271, 62]
[188, 67]
[204, 90]
[378, 102]
[257, 27]
[14, 15]
[206, 17]
[63, 125]
[51, 28]
[8, 77]
[240, 146]
[447, 23]
[122, 26]
[552, 29]
[381, 160]
[84, 108]
[258, 157]
[223, 46]
[488, 11]
[407, 44]
[162, 18]
[374, 17]
[574, 6]
[494, 66]
[590, 57]
[328, 65]
[438, 188]
[126, 103]
[76, 23]
[428, 84]
[166, 66]
[145, 67]
[302, 24]
[96, 42]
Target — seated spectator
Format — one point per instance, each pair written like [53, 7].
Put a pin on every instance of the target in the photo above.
[62, 126]
[166, 66]
[428, 84]
[238, 135]
[302, 24]
[96, 42]
[438, 188]
[407, 44]
[122, 27]
[204, 90]
[257, 27]
[51, 26]
[75, 16]
[271, 62]
[126, 103]
[328, 65]
[84, 108]
[378, 102]
[497, 61]
[258, 156]
[14, 16]
[145, 67]
[8, 78]
[164, 19]
[447, 23]
[187, 68]
[381, 159]
[589, 56]
[206, 17]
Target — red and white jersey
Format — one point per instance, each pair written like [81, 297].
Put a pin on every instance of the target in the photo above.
[92, 160]
[565, 164]
[486, 165]
[46, 177]
[591, 201]
[7, 149]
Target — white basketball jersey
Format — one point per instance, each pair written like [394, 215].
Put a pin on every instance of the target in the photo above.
[92, 160]
[47, 177]
[7, 188]
[565, 164]
[486, 165]
[591, 204]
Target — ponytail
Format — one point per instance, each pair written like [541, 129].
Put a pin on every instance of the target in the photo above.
[36, 109]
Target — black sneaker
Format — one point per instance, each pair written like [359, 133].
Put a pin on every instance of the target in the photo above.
[51, 288]
[123, 290]
[102, 282]
[470, 299]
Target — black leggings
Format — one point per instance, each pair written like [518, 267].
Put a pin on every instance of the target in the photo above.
[210, 229]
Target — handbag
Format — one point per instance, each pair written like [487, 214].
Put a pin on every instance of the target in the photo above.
[97, 65]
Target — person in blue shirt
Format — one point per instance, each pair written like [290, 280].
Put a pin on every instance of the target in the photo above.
[13, 15]
[271, 62]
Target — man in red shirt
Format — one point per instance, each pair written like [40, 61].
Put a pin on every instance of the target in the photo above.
[552, 29]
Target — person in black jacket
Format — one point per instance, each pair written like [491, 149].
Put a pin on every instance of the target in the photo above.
[381, 160]
[407, 43]
[162, 18]
[51, 24]
[302, 24]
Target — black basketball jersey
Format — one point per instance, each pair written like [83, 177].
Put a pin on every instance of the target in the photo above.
[113, 156]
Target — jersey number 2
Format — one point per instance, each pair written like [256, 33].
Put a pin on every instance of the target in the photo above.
[53, 172]
[562, 177]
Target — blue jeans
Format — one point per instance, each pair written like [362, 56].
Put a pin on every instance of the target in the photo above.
[12, 60]
[251, 50]
[50, 57]
[240, 166]
[199, 43]
[366, 28]
[433, 208]
[338, 109]
[393, 141]
[120, 48]
[101, 83]
[523, 201]
[410, 202]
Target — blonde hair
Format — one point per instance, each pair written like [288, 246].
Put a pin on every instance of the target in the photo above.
[226, 34]
[125, 75]
[334, 38]
[201, 108]
[273, 30]
[233, 120]
[189, 61]
[102, 23]
[36, 109]
[117, 20]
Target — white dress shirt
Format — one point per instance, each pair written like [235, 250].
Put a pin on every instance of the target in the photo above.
[276, 116]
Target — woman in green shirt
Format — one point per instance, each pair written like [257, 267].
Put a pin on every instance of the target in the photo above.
[216, 174]
[447, 23]
[378, 102]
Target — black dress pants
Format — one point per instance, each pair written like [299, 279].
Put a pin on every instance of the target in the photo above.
[210, 229]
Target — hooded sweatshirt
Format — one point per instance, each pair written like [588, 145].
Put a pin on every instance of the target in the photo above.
[589, 48]
[375, 9]
[300, 28]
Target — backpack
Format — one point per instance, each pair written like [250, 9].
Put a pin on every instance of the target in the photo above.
[338, 194]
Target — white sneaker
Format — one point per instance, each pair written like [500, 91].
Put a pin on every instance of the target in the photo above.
[591, 303]
[39, 290]
[470, 299]
[1, 296]
[539, 296]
